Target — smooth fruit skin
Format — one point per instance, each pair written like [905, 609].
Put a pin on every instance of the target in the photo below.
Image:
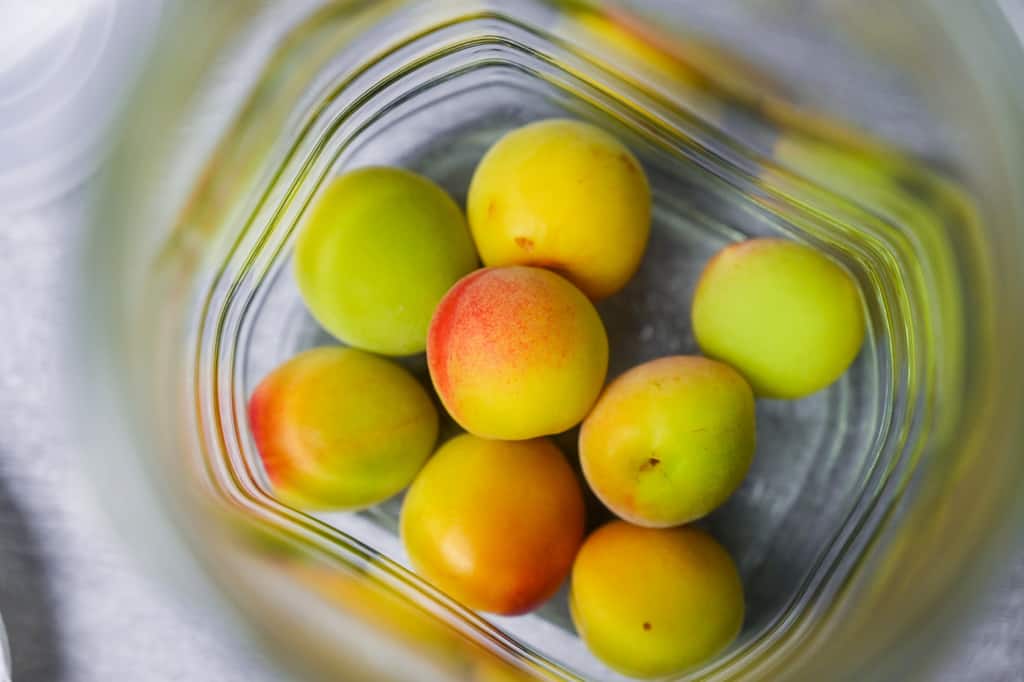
[783, 314]
[379, 250]
[564, 195]
[516, 353]
[669, 440]
[495, 524]
[383, 610]
[338, 428]
[447, 653]
[655, 602]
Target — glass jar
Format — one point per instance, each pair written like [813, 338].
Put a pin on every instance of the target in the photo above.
[885, 134]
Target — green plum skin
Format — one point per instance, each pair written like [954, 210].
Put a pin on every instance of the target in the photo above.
[669, 440]
[379, 249]
[783, 314]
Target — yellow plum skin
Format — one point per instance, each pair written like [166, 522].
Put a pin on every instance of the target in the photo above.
[516, 353]
[782, 313]
[669, 440]
[445, 650]
[380, 248]
[495, 524]
[655, 602]
[564, 195]
[338, 428]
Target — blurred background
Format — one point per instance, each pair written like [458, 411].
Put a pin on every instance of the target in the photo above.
[75, 604]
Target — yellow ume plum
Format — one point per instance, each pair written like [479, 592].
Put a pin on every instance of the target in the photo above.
[655, 602]
[669, 440]
[516, 353]
[495, 524]
[338, 428]
[783, 314]
[563, 195]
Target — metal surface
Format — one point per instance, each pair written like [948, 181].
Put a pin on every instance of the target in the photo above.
[75, 605]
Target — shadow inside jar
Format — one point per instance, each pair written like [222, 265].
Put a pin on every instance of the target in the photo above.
[26, 600]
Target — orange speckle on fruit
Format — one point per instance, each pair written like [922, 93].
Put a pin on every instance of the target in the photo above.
[524, 243]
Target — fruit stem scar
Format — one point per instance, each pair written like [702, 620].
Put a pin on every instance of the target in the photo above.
[650, 464]
[647, 626]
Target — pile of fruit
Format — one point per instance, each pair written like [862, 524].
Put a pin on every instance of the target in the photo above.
[559, 212]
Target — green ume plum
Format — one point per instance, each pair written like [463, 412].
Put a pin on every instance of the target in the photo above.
[669, 440]
[380, 248]
[783, 314]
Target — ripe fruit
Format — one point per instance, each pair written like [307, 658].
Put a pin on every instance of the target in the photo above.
[516, 353]
[652, 603]
[438, 650]
[338, 428]
[669, 440]
[563, 195]
[378, 608]
[784, 315]
[379, 250]
[495, 524]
